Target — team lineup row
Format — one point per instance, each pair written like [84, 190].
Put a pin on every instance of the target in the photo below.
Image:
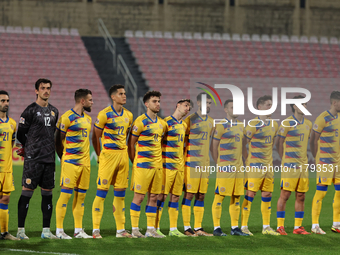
[165, 154]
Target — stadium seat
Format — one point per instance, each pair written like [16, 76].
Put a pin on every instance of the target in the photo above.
[36, 30]
[226, 36]
[236, 37]
[62, 59]
[187, 35]
[139, 34]
[324, 40]
[217, 36]
[178, 35]
[334, 40]
[294, 39]
[245, 37]
[2, 29]
[148, 34]
[255, 38]
[158, 34]
[197, 36]
[265, 38]
[128, 33]
[284, 38]
[313, 39]
[304, 39]
[167, 35]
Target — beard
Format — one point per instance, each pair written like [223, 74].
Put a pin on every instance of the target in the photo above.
[3, 109]
[88, 109]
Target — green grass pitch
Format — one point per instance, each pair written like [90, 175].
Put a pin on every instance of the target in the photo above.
[258, 244]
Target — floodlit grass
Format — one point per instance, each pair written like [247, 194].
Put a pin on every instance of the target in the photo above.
[258, 244]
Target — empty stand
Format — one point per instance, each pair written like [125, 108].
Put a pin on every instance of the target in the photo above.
[169, 63]
[31, 54]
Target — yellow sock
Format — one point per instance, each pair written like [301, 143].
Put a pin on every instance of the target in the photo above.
[186, 212]
[198, 213]
[299, 218]
[160, 205]
[246, 206]
[119, 214]
[4, 217]
[98, 208]
[78, 207]
[60, 210]
[134, 214]
[234, 210]
[173, 214]
[280, 216]
[150, 212]
[266, 210]
[317, 203]
[336, 204]
[217, 210]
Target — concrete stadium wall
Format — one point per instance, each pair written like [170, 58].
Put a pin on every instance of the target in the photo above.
[320, 18]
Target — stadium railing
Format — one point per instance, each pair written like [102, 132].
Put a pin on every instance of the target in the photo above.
[109, 43]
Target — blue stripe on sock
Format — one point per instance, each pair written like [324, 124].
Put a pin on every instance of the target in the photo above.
[299, 214]
[119, 193]
[146, 207]
[173, 204]
[199, 203]
[281, 214]
[160, 203]
[151, 209]
[80, 190]
[3, 206]
[337, 187]
[69, 191]
[186, 202]
[135, 207]
[101, 193]
[249, 198]
[266, 199]
[322, 188]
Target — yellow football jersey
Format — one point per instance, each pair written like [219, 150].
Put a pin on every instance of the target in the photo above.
[173, 144]
[77, 142]
[261, 142]
[115, 128]
[149, 144]
[7, 135]
[296, 142]
[327, 126]
[230, 148]
[199, 133]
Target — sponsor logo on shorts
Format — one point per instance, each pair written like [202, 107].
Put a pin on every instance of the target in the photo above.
[28, 181]
[22, 120]
[286, 184]
[251, 185]
[105, 181]
[188, 186]
[222, 189]
[324, 179]
[67, 181]
[138, 187]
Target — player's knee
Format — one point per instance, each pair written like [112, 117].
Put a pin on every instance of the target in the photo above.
[200, 197]
[300, 197]
[46, 192]
[138, 198]
[174, 198]
[4, 199]
[189, 196]
[153, 197]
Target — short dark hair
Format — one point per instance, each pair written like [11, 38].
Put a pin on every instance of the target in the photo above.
[42, 80]
[227, 102]
[115, 88]
[292, 105]
[81, 93]
[150, 94]
[186, 100]
[263, 99]
[199, 96]
[335, 95]
[3, 92]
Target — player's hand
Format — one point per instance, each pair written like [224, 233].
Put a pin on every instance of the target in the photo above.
[21, 151]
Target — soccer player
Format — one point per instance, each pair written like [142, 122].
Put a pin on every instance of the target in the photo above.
[199, 131]
[227, 152]
[173, 165]
[36, 130]
[147, 133]
[292, 143]
[259, 134]
[7, 139]
[112, 126]
[324, 144]
[73, 148]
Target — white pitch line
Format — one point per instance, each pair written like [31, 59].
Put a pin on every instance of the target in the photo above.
[41, 252]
